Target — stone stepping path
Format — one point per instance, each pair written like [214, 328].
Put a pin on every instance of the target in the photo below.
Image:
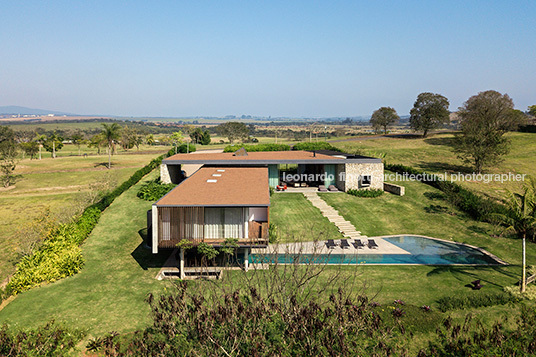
[346, 228]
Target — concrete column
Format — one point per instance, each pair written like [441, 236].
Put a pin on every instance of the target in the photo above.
[246, 259]
[181, 263]
[155, 229]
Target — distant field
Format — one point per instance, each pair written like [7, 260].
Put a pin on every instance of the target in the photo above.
[62, 185]
[436, 155]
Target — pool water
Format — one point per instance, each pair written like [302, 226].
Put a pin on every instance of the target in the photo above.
[422, 250]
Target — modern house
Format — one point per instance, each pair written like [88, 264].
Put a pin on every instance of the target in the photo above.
[228, 196]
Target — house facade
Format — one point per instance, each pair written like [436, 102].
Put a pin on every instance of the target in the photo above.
[228, 196]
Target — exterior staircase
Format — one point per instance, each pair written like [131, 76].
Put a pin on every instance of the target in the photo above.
[346, 228]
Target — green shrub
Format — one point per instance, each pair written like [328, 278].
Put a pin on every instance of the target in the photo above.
[465, 200]
[154, 190]
[257, 147]
[374, 192]
[313, 146]
[447, 303]
[47, 340]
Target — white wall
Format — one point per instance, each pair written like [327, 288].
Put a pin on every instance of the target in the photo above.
[258, 214]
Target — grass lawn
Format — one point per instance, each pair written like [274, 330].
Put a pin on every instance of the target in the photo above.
[108, 294]
[436, 154]
[298, 220]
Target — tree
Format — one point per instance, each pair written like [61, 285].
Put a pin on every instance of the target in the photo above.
[196, 135]
[30, 148]
[77, 139]
[384, 117]
[200, 136]
[233, 130]
[149, 139]
[40, 139]
[8, 155]
[97, 141]
[520, 217]
[111, 133]
[53, 143]
[532, 110]
[176, 139]
[205, 140]
[484, 119]
[129, 137]
[429, 112]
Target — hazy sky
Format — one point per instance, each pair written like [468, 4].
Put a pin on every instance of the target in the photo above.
[278, 58]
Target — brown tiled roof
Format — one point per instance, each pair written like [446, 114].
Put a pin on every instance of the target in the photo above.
[237, 186]
[254, 156]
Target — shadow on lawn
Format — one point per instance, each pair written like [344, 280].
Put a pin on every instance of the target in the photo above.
[145, 258]
[467, 274]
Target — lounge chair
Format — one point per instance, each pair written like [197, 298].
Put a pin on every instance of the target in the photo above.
[372, 244]
[344, 244]
[358, 244]
[331, 244]
[332, 188]
[322, 188]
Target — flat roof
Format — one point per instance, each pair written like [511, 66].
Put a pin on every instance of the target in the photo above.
[269, 157]
[221, 187]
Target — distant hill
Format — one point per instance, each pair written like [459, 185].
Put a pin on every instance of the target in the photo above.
[14, 110]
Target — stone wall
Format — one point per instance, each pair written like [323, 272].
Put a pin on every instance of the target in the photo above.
[170, 173]
[354, 172]
[394, 189]
[340, 182]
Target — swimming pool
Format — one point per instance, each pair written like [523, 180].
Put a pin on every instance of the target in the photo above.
[423, 251]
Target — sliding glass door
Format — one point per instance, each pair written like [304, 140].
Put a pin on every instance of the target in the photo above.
[225, 222]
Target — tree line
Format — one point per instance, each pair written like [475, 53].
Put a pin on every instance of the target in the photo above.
[484, 119]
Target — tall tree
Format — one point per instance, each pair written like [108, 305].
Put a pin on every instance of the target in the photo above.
[30, 148]
[149, 139]
[53, 143]
[8, 155]
[196, 135]
[484, 119]
[97, 141]
[429, 112]
[520, 217]
[383, 118]
[77, 139]
[532, 110]
[233, 130]
[176, 139]
[205, 139]
[40, 139]
[111, 133]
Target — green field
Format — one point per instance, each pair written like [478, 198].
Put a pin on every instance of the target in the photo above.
[62, 185]
[436, 155]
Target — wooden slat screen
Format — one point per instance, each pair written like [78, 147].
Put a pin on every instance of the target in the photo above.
[185, 223]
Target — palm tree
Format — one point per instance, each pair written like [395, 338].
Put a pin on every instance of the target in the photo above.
[40, 139]
[520, 217]
[110, 132]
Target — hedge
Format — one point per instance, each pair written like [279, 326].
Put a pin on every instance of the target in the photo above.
[465, 200]
[257, 147]
[60, 255]
[313, 146]
[365, 193]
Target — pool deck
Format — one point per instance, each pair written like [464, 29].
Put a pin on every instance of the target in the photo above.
[384, 247]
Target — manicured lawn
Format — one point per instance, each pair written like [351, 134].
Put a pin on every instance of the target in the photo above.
[437, 155]
[108, 294]
[298, 220]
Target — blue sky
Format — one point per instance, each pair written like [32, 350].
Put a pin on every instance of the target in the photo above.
[269, 58]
